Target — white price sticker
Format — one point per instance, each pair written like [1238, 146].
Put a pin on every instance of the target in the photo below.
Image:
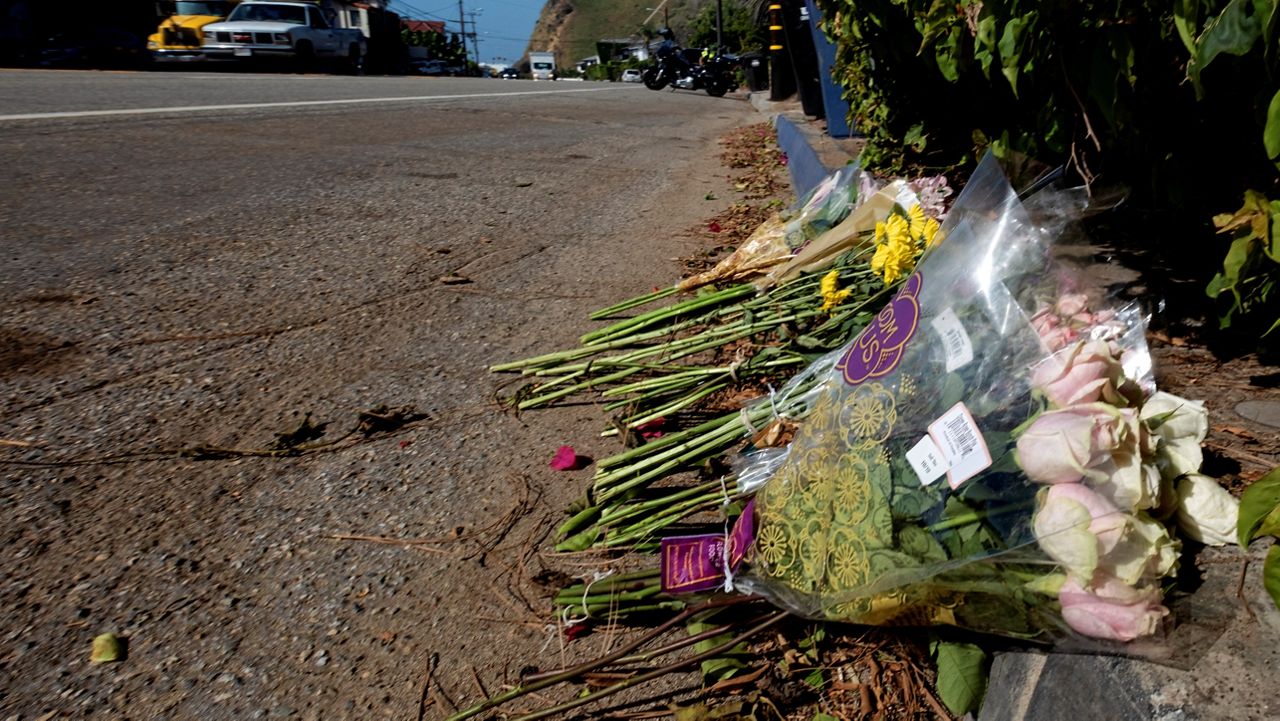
[956, 345]
[927, 461]
[960, 440]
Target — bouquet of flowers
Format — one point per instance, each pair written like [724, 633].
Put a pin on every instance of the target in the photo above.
[778, 237]
[988, 453]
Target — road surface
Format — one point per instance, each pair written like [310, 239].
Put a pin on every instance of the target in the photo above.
[204, 260]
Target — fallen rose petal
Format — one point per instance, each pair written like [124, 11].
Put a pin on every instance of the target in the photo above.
[652, 429]
[714, 227]
[566, 459]
[575, 630]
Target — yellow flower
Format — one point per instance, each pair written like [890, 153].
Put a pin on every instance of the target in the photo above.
[829, 287]
[881, 236]
[877, 260]
[896, 261]
[898, 230]
[916, 220]
[930, 232]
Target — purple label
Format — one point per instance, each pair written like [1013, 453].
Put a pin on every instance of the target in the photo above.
[696, 563]
[878, 348]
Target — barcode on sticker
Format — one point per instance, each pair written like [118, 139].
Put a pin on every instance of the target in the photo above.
[960, 440]
[956, 346]
[962, 436]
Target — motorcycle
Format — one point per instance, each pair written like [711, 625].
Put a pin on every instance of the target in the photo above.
[716, 76]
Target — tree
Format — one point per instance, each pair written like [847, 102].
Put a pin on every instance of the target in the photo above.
[741, 33]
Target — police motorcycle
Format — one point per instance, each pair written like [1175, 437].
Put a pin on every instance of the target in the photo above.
[715, 73]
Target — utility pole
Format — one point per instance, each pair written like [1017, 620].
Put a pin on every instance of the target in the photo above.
[462, 22]
[719, 27]
[475, 35]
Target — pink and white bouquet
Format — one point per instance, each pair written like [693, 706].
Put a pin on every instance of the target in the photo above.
[990, 452]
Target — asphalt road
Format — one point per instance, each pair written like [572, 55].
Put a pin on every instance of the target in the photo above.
[202, 260]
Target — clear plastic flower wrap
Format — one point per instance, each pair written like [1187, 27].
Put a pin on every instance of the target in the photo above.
[776, 239]
[976, 456]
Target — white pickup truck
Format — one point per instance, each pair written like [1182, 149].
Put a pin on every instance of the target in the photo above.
[297, 30]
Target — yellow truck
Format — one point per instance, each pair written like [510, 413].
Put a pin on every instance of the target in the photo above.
[181, 34]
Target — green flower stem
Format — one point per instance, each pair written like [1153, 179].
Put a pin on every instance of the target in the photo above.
[608, 486]
[617, 513]
[605, 478]
[658, 444]
[725, 433]
[577, 521]
[559, 709]
[658, 382]
[620, 534]
[611, 597]
[635, 302]
[542, 359]
[672, 407]
[570, 390]
[575, 671]
[644, 531]
[978, 516]
[671, 311]
[585, 351]
[544, 385]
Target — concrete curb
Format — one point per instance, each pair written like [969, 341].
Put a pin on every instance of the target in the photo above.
[811, 154]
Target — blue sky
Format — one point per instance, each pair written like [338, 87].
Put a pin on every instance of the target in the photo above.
[503, 26]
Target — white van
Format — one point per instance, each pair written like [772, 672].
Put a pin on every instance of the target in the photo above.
[542, 66]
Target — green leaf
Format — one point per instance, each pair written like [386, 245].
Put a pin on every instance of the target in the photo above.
[962, 676]
[1011, 42]
[915, 137]
[1216, 286]
[824, 717]
[1257, 503]
[1271, 133]
[1271, 574]
[720, 667]
[984, 48]
[1186, 17]
[1234, 32]
[946, 55]
[815, 680]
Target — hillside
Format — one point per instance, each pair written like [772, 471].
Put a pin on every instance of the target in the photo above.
[571, 28]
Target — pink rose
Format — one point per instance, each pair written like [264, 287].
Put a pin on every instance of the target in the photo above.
[1072, 304]
[1076, 526]
[1061, 446]
[1084, 373]
[1060, 337]
[1044, 321]
[1110, 609]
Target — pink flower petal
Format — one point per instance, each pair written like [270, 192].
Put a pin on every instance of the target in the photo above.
[566, 459]
[714, 227]
[652, 429]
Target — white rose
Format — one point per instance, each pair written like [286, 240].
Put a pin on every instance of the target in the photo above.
[1145, 551]
[1176, 418]
[1206, 511]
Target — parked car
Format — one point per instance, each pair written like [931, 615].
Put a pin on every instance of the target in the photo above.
[293, 30]
[510, 74]
[631, 75]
